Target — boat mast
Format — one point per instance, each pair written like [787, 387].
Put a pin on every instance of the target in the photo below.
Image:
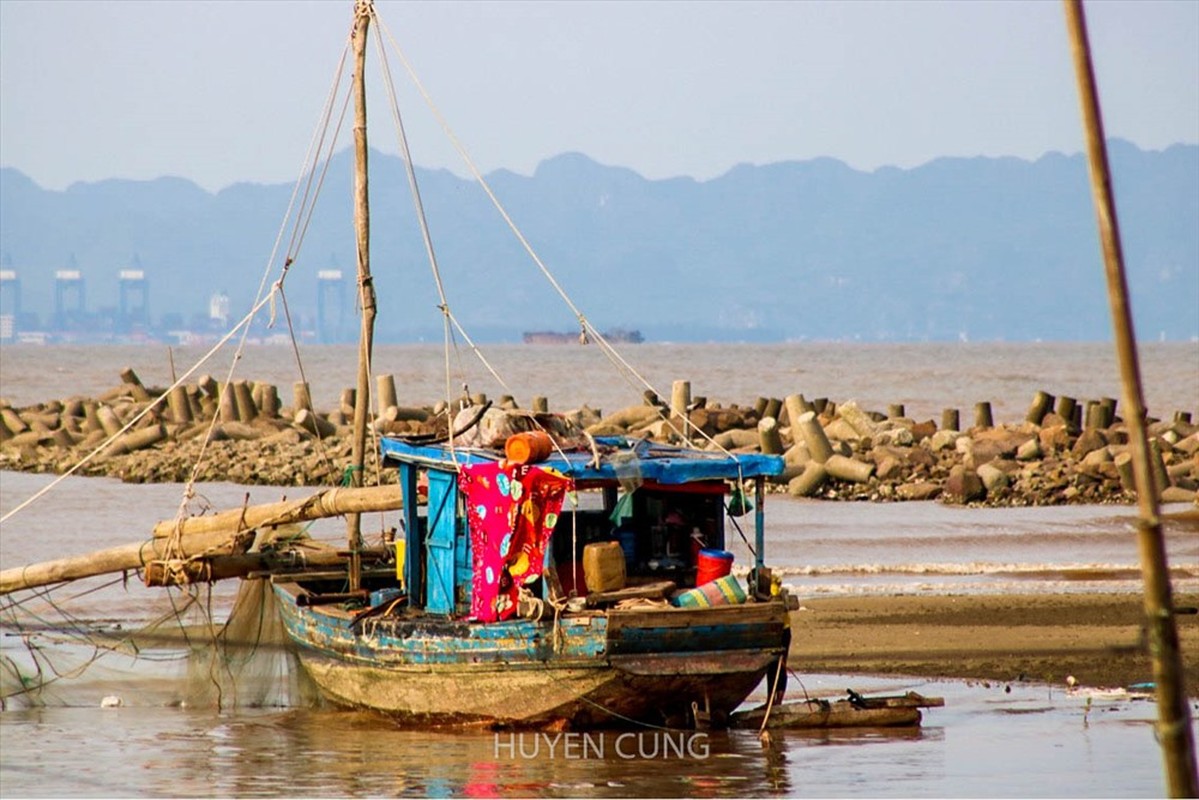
[363, 11]
[1174, 723]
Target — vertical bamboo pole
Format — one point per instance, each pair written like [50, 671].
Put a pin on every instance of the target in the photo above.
[366, 289]
[759, 524]
[1174, 724]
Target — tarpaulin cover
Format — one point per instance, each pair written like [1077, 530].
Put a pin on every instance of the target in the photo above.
[655, 462]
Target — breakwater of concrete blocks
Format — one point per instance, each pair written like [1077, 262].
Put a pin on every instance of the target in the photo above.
[1064, 450]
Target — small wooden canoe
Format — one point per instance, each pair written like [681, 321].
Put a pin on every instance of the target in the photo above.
[855, 711]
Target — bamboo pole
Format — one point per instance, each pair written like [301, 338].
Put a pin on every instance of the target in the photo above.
[116, 559]
[1174, 724]
[366, 287]
[240, 565]
[329, 503]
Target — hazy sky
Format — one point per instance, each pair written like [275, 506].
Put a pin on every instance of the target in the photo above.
[220, 92]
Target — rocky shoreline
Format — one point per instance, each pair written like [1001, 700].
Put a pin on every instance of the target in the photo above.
[1063, 451]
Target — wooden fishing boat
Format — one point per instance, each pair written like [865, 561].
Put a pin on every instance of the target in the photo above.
[579, 582]
[594, 659]
[478, 628]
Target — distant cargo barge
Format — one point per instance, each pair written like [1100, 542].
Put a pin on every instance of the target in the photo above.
[618, 336]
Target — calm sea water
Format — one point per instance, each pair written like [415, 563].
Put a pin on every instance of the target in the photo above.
[1031, 742]
[1034, 741]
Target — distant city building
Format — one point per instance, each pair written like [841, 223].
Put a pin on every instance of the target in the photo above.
[129, 321]
[218, 309]
[10, 304]
[330, 305]
[70, 300]
[134, 291]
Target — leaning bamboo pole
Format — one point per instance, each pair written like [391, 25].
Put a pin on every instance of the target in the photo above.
[1174, 725]
[216, 535]
[329, 503]
[118, 559]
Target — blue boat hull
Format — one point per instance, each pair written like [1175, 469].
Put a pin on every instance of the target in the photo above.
[653, 665]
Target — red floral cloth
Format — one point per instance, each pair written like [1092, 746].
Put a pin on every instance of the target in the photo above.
[511, 510]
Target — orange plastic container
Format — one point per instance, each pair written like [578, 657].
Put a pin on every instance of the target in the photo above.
[528, 448]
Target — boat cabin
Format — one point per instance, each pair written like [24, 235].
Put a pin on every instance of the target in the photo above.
[663, 506]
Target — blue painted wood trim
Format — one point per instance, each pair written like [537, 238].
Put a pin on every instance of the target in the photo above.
[416, 642]
[414, 548]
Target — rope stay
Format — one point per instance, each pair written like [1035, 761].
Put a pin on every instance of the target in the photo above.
[299, 214]
[243, 325]
[587, 330]
[307, 200]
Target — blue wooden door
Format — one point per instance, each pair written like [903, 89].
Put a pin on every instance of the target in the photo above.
[439, 542]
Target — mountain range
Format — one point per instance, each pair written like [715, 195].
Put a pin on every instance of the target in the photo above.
[958, 248]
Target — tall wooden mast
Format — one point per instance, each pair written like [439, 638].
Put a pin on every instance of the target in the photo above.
[363, 11]
[1174, 723]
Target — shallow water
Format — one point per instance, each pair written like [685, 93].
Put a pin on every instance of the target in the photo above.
[986, 742]
[1034, 741]
[820, 547]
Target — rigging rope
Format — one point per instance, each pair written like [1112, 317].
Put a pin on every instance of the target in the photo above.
[150, 407]
[242, 325]
[302, 220]
[589, 330]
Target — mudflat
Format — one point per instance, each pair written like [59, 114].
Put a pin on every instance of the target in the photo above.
[1097, 638]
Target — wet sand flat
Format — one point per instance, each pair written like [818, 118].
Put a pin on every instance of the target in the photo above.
[1043, 638]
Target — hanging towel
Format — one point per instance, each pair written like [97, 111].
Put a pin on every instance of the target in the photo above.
[511, 510]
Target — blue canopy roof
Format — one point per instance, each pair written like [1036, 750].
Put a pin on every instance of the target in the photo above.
[620, 457]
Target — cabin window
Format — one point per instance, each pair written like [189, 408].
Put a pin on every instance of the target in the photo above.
[660, 530]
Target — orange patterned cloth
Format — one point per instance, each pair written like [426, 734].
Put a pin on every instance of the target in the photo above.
[511, 510]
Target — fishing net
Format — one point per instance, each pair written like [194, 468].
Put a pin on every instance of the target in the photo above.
[183, 656]
[247, 662]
